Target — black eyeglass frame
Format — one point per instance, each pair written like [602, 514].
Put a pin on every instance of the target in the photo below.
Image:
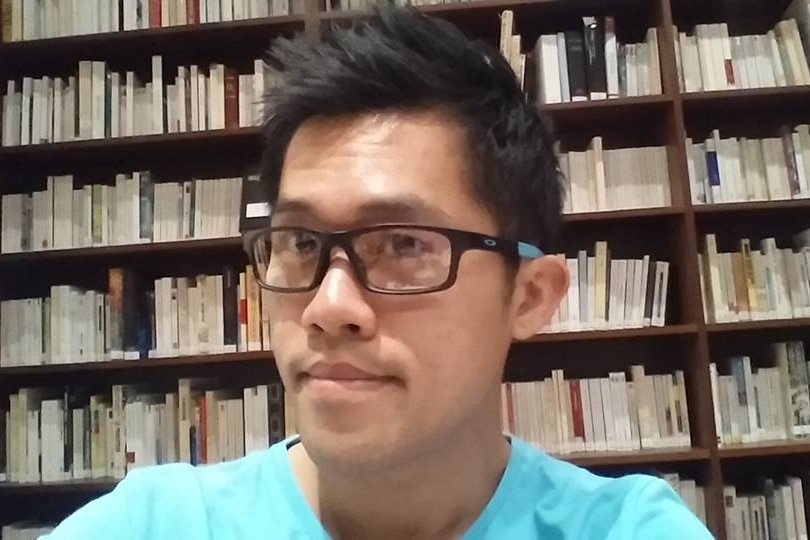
[460, 242]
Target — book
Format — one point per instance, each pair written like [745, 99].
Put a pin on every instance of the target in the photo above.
[612, 413]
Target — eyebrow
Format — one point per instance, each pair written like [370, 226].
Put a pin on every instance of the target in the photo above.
[405, 209]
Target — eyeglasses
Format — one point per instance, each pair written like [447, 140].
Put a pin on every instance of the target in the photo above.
[388, 259]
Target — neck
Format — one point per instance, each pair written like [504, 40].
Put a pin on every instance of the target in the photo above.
[438, 494]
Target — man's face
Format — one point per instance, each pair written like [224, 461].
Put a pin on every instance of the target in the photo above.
[378, 379]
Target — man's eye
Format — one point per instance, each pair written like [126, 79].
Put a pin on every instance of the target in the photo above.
[304, 244]
[405, 245]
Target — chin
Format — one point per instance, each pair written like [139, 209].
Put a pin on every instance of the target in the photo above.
[365, 449]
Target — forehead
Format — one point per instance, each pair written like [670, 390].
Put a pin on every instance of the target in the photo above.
[376, 167]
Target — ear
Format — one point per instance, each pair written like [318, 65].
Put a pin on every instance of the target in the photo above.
[541, 285]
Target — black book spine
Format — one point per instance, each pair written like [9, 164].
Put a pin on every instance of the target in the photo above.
[88, 431]
[649, 293]
[3, 431]
[150, 304]
[137, 327]
[130, 311]
[595, 58]
[276, 412]
[230, 308]
[67, 432]
[575, 53]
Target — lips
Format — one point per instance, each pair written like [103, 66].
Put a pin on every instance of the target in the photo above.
[339, 372]
[343, 383]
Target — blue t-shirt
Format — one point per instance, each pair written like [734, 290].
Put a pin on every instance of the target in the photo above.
[257, 497]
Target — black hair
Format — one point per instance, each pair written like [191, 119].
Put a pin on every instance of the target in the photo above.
[400, 59]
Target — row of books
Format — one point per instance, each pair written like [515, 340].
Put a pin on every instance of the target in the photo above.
[599, 414]
[41, 19]
[590, 63]
[597, 179]
[98, 103]
[52, 435]
[724, 170]
[509, 45]
[712, 60]
[693, 495]
[764, 398]
[606, 293]
[134, 210]
[775, 510]
[751, 284]
[179, 316]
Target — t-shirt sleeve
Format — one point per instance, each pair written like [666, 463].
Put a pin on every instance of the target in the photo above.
[658, 512]
[110, 514]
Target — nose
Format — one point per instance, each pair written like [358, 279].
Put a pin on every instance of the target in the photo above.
[339, 307]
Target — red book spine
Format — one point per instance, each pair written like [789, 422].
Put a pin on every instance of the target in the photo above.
[576, 408]
[193, 12]
[231, 99]
[154, 13]
[203, 431]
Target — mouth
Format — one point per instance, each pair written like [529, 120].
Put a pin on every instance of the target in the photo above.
[340, 381]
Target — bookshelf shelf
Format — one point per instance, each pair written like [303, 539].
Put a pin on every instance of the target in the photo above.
[624, 333]
[95, 487]
[119, 144]
[771, 448]
[752, 95]
[746, 326]
[621, 215]
[746, 208]
[7, 373]
[147, 41]
[605, 111]
[153, 249]
[641, 457]
[611, 104]
[466, 8]
[174, 32]
[444, 8]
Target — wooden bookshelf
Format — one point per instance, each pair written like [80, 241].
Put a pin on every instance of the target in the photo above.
[189, 361]
[621, 333]
[247, 135]
[662, 118]
[95, 487]
[751, 96]
[746, 208]
[153, 249]
[643, 457]
[753, 326]
[763, 449]
[629, 214]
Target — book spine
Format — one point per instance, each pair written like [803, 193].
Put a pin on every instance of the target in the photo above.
[576, 57]
[231, 98]
[595, 47]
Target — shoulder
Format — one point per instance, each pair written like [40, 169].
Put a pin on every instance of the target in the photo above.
[586, 505]
[154, 501]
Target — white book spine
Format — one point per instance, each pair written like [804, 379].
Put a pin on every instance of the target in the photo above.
[158, 125]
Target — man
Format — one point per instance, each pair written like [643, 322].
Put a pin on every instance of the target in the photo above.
[412, 189]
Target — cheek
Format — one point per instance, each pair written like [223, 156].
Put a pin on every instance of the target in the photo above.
[458, 345]
[285, 311]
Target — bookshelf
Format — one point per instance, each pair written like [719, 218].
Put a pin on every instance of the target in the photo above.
[673, 233]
